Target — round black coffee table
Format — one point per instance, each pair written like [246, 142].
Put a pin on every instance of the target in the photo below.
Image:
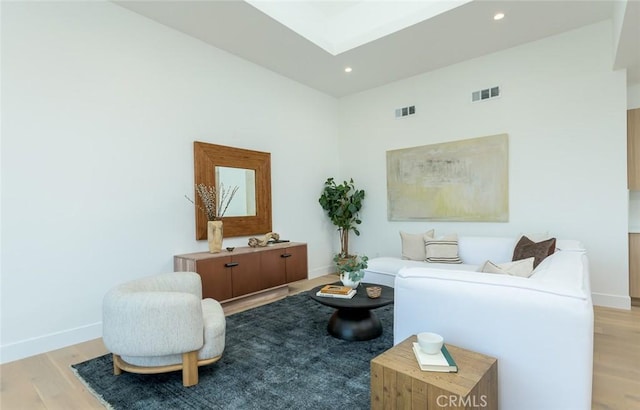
[354, 320]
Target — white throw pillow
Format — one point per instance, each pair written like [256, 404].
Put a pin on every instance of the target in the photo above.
[522, 268]
[413, 245]
[442, 250]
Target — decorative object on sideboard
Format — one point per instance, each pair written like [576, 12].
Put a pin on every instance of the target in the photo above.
[214, 235]
[342, 203]
[265, 240]
[230, 248]
[215, 205]
[351, 269]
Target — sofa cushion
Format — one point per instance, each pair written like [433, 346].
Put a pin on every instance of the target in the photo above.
[442, 250]
[391, 265]
[560, 277]
[566, 270]
[522, 267]
[413, 245]
[526, 248]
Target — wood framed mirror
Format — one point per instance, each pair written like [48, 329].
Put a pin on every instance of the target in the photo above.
[249, 212]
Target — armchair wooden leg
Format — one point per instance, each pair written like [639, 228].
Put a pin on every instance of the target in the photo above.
[190, 369]
[116, 369]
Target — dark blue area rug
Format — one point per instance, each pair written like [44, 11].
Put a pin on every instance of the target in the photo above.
[277, 356]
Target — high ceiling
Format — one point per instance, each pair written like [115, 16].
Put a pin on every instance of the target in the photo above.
[339, 26]
[384, 41]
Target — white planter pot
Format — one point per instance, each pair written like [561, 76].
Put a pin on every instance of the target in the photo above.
[346, 281]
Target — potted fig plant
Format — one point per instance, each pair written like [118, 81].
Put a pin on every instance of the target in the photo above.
[343, 203]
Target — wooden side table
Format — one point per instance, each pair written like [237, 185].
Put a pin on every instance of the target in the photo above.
[398, 383]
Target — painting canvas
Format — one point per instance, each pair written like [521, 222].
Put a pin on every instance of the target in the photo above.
[464, 180]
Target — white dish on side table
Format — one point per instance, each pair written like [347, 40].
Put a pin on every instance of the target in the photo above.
[430, 343]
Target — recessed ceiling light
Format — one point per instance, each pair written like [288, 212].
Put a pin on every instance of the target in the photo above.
[348, 69]
[498, 16]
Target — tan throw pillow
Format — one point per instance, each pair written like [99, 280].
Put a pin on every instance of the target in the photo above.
[442, 250]
[526, 248]
[522, 268]
[413, 245]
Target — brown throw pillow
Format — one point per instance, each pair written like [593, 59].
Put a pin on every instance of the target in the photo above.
[526, 248]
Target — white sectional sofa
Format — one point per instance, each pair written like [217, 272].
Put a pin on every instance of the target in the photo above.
[539, 328]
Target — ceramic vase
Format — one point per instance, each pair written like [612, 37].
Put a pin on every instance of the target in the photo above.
[214, 236]
[346, 280]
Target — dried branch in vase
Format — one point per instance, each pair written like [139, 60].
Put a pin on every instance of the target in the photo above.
[213, 202]
[226, 196]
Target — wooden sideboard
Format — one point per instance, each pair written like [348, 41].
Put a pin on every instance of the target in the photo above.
[246, 271]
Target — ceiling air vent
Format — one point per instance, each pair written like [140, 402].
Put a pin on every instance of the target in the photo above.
[485, 94]
[405, 111]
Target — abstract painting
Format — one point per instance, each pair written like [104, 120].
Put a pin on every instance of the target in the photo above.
[465, 180]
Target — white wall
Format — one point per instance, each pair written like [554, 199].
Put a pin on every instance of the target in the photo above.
[565, 113]
[634, 211]
[100, 108]
[633, 96]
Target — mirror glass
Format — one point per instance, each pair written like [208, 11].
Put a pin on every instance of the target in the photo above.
[244, 200]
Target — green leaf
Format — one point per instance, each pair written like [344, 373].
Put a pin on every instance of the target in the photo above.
[342, 203]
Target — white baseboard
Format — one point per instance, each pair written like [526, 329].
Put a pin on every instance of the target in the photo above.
[42, 344]
[612, 301]
[321, 271]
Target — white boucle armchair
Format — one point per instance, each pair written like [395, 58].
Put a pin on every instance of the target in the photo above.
[161, 323]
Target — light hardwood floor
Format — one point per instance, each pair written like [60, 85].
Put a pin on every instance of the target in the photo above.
[46, 381]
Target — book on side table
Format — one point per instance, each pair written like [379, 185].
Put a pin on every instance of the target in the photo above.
[335, 291]
[440, 362]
